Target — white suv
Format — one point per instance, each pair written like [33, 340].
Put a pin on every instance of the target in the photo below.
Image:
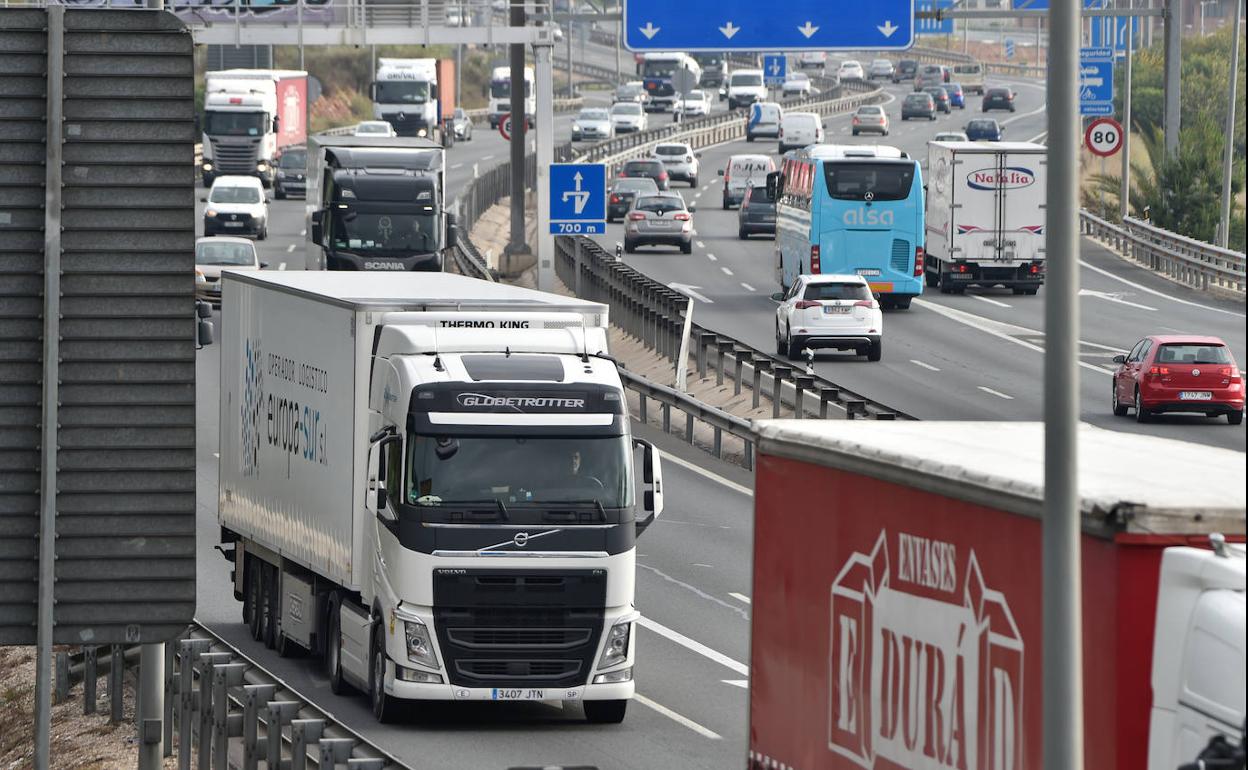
[745, 87]
[236, 206]
[829, 311]
[679, 161]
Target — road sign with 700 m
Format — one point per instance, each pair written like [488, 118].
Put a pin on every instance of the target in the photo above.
[578, 198]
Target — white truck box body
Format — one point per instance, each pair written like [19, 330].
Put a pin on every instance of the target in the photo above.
[295, 362]
[986, 202]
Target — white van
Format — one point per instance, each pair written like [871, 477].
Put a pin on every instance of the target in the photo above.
[745, 87]
[798, 129]
[764, 120]
[742, 173]
[815, 59]
[970, 76]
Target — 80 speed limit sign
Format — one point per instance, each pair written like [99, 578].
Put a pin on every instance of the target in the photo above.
[1103, 137]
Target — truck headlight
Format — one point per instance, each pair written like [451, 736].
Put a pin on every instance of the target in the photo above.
[207, 167]
[419, 648]
[616, 650]
[422, 133]
[261, 165]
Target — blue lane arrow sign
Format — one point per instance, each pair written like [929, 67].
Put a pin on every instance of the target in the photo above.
[795, 25]
[578, 198]
[775, 69]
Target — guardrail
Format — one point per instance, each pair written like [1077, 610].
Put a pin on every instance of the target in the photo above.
[941, 56]
[223, 703]
[1185, 260]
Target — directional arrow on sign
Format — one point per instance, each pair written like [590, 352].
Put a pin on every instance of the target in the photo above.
[729, 30]
[775, 68]
[691, 291]
[808, 29]
[888, 28]
[649, 30]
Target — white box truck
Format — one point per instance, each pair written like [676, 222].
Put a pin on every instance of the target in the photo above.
[250, 116]
[429, 481]
[985, 215]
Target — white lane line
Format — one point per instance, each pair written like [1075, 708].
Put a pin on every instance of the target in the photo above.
[744, 684]
[457, 165]
[747, 287]
[1112, 297]
[697, 647]
[988, 300]
[290, 248]
[488, 157]
[726, 271]
[739, 597]
[703, 472]
[701, 245]
[926, 366]
[303, 233]
[996, 393]
[1039, 137]
[694, 589]
[1120, 279]
[677, 718]
[281, 266]
[712, 257]
[216, 455]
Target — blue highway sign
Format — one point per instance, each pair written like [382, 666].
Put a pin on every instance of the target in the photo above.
[932, 26]
[775, 67]
[578, 198]
[1009, 48]
[1096, 81]
[1112, 31]
[794, 25]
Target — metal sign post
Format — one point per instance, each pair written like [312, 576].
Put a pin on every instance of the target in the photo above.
[543, 65]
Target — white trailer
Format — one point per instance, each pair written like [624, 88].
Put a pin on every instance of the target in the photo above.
[985, 215]
[428, 480]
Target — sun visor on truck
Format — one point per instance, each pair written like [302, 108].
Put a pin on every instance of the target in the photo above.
[385, 186]
[471, 407]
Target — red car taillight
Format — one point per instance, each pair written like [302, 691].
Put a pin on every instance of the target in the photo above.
[680, 216]
[856, 120]
[814, 260]
[615, 198]
[867, 303]
[805, 304]
[636, 216]
[1159, 371]
[918, 260]
[662, 176]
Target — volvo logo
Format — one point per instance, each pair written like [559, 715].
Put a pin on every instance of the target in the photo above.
[521, 539]
[1195, 372]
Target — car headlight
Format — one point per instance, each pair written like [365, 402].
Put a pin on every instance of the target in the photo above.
[419, 648]
[616, 650]
[210, 213]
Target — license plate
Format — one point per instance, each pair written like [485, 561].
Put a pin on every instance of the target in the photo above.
[1195, 395]
[533, 693]
[835, 309]
[867, 271]
[960, 276]
[233, 224]
[661, 224]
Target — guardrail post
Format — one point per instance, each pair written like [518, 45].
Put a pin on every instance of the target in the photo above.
[704, 339]
[760, 364]
[254, 696]
[365, 763]
[720, 342]
[171, 692]
[277, 714]
[641, 407]
[688, 427]
[717, 448]
[748, 458]
[577, 259]
[190, 651]
[666, 409]
[826, 395]
[223, 677]
[885, 416]
[90, 678]
[116, 684]
[800, 382]
[62, 676]
[334, 751]
[205, 665]
[854, 407]
[778, 373]
[303, 733]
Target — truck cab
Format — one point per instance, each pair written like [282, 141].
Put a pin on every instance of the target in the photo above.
[500, 95]
[406, 95]
[249, 117]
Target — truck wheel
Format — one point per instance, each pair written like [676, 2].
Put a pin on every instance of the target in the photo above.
[876, 351]
[605, 712]
[902, 303]
[385, 707]
[333, 648]
[931, 279]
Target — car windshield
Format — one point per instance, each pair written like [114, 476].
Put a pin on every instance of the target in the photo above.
[798, 77]
[1000, 93]
[627, 92]
[982, 125]
[758, 195]
[671, 149]
[632, 168]
[518, 470]
[833, 291]
[695, 96]
[235, 123]
[293, 160]
[885, 181]
[459, 114]
[936, 92]
[1193, 353]
[592, 115]
[225, 253]
[973, 68]
[923, 98]
[373, 128]
[643, 184]
[659, 69]
[362, 231]
[660, 204]
[850, 65]
[626, 109]
[224, 194]
[881, 63]
[401, 92]
[870, 110]
[747, 79]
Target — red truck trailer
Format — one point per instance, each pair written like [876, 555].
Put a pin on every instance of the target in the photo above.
[897, 593]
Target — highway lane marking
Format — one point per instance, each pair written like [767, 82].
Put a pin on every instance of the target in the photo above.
[487, 157]
[744, 684]
[726, 271]
[281, 266]
[290, 248]
[701, 245]
[217, 455]
[747, 287]
[739, 597]
[457, 165]
[705, 732]
[703, 472]
[1038, 137]
[988, 300]
[1141, 287]
[712, 257]
[928, 367]
[1110, 297]
[996, 393]
[694, 646]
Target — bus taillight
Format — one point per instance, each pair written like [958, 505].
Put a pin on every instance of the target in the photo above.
[918, 260]
[814, 260]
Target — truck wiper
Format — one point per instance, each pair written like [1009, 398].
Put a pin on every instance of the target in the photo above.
[502, 508]
[575, 504]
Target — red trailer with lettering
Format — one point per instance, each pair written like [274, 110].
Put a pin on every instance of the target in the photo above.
[897, 589]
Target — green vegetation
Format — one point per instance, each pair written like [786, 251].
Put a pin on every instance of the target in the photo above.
[1182, 191]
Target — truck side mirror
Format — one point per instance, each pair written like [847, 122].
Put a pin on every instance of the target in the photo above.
[202, 309]
[452, 231]
[383, 499]
[316, 228]
[203, 334]
[652, 476]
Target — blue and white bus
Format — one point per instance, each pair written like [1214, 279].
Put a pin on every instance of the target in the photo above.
[851, 209]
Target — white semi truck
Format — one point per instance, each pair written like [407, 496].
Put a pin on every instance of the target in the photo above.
[416, 96]
[429, 481]
[985, 215]
[500, 95]
[250, 116]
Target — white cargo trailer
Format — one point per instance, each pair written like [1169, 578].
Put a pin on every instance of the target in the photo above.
[985, 215]
[428, 480]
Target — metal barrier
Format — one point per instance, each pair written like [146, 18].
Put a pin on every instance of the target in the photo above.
[1185, 260]
[719, 421]
[941, 56]
[218, 700]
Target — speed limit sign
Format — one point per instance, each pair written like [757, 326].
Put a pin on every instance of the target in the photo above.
[1103, 137]
[504, 125]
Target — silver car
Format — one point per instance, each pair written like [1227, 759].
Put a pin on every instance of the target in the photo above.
[659, 220]
[881, 69]
[461, 124]
[679, 161]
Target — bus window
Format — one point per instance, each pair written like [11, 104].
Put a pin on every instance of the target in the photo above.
[884, 181]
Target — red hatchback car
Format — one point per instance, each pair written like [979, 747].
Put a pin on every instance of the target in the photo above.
[1179, 374]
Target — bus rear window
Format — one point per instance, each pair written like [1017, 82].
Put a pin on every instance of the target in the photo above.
[881, 181]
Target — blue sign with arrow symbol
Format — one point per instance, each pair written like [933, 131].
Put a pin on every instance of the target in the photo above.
[775, 68]
[1096, 81]
[795, 25]
[578, 198]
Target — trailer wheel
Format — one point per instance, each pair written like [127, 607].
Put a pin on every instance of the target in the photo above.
[385, 707]
[333, 648]
[931, 279]
[605, 712]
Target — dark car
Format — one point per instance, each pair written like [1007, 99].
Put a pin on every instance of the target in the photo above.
[957, 97]
[652, 169]
[1172, 373]
[620, 198]
[757, 213]
[941, 97]
[906, 70]
[998, 99]
[984, 130]
[918, 105]
[291, 168]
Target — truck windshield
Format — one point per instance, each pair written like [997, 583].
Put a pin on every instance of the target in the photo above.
[501, 89]
[235, 123]
[516, 470]
[401, 92]
[659, 69]
[363, 231]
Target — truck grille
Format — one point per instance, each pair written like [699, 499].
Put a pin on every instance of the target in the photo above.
[234, 158]
[406, 124]
[901, 256]
[506, 627]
